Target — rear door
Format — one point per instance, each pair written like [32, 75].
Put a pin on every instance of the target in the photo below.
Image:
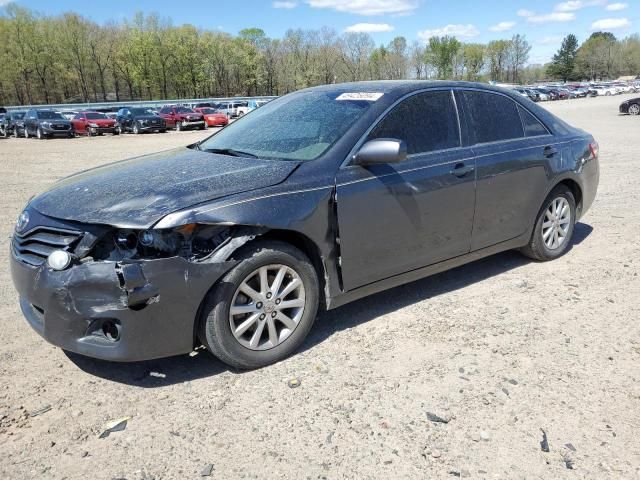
[513, 150]
[398, 217]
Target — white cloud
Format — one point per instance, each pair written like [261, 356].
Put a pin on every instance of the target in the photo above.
[370, 27]
[5, 2]
[614, 7]
[502, 26]
[535, 18]
[573, 5]
[459, 31]
[285, 5]
[368, 7]
[611, 24]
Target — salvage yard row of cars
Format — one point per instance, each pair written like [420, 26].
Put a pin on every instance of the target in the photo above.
[46, 123]
[542, 93]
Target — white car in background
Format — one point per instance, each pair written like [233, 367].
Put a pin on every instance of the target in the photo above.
[604, 90]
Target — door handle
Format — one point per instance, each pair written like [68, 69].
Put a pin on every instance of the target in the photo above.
[549, 151]
[460, 170]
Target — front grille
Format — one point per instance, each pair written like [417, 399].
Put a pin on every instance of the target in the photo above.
[59, 126]
[34, 247]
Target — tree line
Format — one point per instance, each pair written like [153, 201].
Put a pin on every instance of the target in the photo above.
[69, 58]
[601, 56]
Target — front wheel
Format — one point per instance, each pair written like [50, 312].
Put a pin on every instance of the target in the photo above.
[262, 310]
[634, 109]
[554, 226]
[136, 128]
[39, 133]
[179, 126]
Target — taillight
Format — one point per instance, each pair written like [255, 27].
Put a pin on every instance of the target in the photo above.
[595, 148]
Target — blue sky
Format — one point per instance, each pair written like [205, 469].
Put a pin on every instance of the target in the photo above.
[544, 22]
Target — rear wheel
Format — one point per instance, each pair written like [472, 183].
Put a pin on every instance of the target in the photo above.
[262, 310]
[39, 133]
[554, 226]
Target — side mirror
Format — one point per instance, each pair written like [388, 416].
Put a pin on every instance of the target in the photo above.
[380, 151]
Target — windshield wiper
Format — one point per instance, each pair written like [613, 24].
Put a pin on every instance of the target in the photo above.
[230, 151]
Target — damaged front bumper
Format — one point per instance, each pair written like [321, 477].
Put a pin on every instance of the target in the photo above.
[120, 311]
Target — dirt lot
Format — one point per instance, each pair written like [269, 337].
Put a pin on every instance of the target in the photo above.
[501, 348]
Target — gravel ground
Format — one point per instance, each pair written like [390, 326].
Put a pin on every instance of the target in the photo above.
[501, 349]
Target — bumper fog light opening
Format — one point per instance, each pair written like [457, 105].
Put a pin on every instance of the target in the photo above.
[59, 260]
[111, 331]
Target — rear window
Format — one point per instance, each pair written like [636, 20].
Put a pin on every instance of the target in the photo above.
[532, 126]
[493, 117]
[95, 116]
[426, 122]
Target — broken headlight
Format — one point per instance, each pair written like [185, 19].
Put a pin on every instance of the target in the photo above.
[192, 241]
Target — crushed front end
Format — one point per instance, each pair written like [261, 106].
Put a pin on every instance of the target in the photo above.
[125, 295]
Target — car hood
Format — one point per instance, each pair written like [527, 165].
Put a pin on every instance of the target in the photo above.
[137, 193]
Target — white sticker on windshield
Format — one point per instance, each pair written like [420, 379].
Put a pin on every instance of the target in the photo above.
[366, 96]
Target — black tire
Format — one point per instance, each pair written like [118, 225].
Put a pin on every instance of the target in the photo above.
[536, 248]
[136, 128]
[119, 130]
[178, 126]
[39, 134]
[115, 132]
[634, 109]
[16, 134]
[214, 327]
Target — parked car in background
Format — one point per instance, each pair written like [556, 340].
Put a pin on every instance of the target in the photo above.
[139, 120]
[12, 124]
[212, 117]
[253, 104]
[550, 95]
[94, 123]
[68, 114]
[233, 109]
[182, 118]
[602, 90]
[112, 115]
[317, 199]
[631, 106]
[46, 123]
[202, 105]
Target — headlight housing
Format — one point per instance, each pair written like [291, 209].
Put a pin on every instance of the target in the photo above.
[93, 125]
[191, 241]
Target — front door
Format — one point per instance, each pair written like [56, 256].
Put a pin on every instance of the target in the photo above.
[398, 217]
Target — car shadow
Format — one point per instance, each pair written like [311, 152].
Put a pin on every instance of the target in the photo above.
[185, 368]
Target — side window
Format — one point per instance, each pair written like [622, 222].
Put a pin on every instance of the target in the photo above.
[532, 126]
[164, 110]
[78, 116]
[426, 122]
[492, 117]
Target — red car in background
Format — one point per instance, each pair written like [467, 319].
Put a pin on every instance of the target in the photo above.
[182, 118]
[212, 117]
[93, 123]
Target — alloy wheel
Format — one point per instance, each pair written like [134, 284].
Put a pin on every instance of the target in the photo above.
[267, 307]
[556, 224]
[634, 109]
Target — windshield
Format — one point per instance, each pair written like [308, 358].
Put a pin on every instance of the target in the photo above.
[17, 115]
[184, 110]
[297, 127]
[50, 115]
[141, 111]
[207, 111]
[96, 116]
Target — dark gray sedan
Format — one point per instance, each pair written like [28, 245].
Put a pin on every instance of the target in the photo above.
[318, 198]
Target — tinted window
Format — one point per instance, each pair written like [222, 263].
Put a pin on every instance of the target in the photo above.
[96, 116]
[183, 110]
[140, 111]
[165, 110]
[48, 115]
[532, 126]
[493, 117]
[426, 122]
